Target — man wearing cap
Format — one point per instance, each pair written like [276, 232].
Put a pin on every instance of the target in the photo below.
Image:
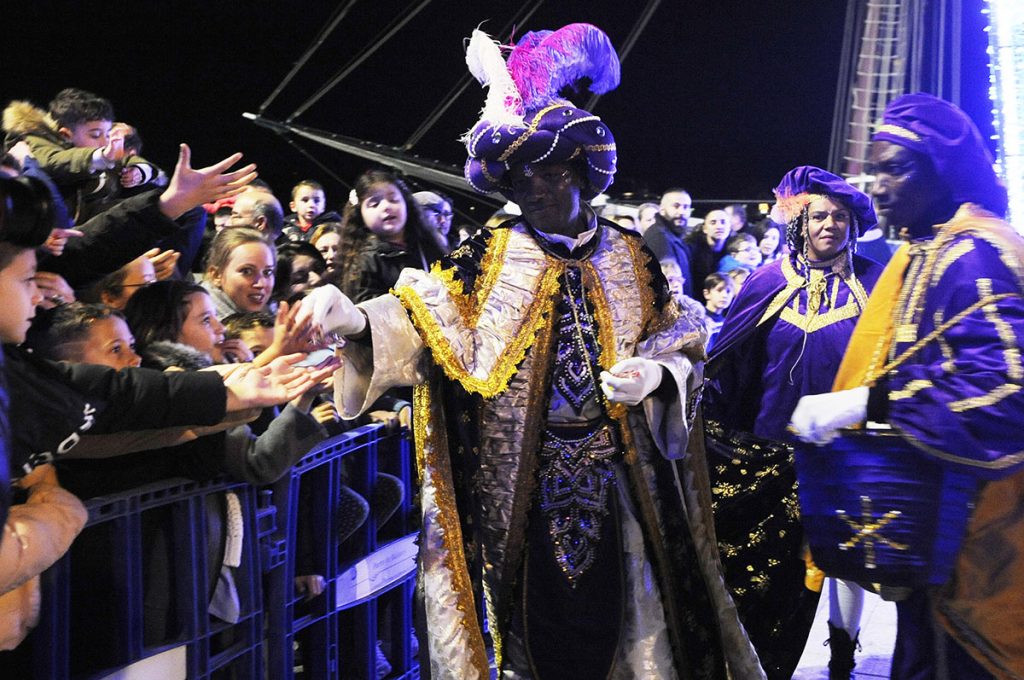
[552, 370]
[937, 355]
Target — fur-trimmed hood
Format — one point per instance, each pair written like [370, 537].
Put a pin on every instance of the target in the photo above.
[164, 354]
[24, 118]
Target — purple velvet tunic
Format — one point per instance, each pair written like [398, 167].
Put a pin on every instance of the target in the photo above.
[783, 338]
[960, 399]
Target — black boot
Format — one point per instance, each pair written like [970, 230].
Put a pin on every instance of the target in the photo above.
[841, 663]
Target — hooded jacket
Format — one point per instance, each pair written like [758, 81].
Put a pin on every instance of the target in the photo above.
[86, 190]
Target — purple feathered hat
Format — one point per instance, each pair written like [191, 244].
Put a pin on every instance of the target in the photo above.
[806, 183]
[946, 135]
[526, 121]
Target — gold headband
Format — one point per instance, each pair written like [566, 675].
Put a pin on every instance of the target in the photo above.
[898, 131]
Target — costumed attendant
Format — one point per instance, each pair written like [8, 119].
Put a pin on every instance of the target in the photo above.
[552, 367]
[784, 337]
[937, 355]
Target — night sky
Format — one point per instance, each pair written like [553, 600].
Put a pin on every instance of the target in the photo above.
[721, 97]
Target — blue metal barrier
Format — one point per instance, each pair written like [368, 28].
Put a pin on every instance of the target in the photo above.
[97, 619]
[369, 578]
[94, 599]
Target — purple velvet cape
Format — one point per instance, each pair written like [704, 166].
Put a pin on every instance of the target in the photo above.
[751, 367]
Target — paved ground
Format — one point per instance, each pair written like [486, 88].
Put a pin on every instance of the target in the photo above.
[877, 636]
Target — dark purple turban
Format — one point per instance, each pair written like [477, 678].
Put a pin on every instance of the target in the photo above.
[557, 133]
[528, 121]
[802, 185]
[948, 137]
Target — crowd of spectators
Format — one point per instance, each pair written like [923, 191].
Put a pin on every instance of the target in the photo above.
[197, 276]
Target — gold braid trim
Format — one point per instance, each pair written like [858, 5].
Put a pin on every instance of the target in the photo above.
[455, 288]
[514, 146]
[1000, 464]
[857, 289]
[487, 174]
[898, 131]
[812, 322]
[443, 354]
[794, 282]
[432, 458]
[599, 147]
[948, 258]
[652, 320]
[1011, 352]
[994, 397]
[490, 265]
[470, 307]
[910, 389]
[909, 352]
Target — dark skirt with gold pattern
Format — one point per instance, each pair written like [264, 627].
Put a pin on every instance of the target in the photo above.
[760, 541]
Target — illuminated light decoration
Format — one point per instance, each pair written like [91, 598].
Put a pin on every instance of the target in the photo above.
[1006, 90]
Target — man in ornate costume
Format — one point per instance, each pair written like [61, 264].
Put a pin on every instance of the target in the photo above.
[937, 355]
[551, 367]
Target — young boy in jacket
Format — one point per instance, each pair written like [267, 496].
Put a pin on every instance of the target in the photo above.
[78, 144]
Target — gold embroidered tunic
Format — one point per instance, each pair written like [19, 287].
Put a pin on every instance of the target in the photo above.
[477, 331]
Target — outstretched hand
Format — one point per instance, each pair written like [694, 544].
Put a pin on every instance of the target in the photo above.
[190, 187]
[282, 380]
[331, 312]
[163, 261]
[58, 238]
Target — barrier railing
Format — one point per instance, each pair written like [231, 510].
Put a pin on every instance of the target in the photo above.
[367, 574]
[131, 597]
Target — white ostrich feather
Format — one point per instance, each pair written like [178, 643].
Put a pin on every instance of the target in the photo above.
[504, 103]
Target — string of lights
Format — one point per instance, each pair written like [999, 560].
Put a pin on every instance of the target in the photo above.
[1006, 90]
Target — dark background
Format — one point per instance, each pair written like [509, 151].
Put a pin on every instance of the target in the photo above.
[722, 97]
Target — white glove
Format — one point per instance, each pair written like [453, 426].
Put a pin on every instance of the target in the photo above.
[818, 417]
[332, 312]
[630, 380]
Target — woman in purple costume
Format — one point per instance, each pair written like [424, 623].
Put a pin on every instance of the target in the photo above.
[783, 338]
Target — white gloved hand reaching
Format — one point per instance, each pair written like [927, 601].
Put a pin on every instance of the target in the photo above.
[329, 310]
[818, 417]
[630, 380]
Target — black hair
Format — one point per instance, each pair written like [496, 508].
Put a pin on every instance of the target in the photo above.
[133, 140]
[735, 242]
[70, 325]
[419, 236]
[797, 226]
[73, 106]
[235, 324]
[283, 272]
[26, 216]
[712, 280]
[766, 225]
[740, 208]
[158, 311]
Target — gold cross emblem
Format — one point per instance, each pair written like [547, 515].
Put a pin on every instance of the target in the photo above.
[868, 531]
